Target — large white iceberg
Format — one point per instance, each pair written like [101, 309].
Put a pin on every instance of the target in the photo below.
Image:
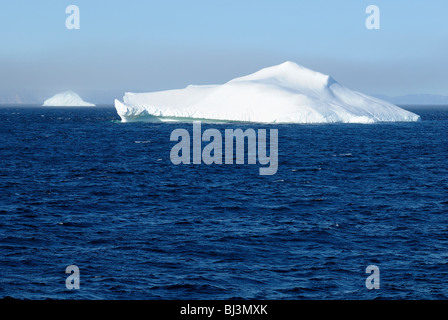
[286, 93]
[66, 99]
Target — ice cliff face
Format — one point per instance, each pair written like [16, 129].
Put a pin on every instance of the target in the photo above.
[66, 99]
[286, 93]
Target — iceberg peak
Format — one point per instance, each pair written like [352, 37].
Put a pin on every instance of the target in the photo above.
[66, 99]
[284, 93]
[290, 74]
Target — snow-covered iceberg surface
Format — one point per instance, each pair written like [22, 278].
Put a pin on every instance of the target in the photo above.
[286, 93]
[66, 99]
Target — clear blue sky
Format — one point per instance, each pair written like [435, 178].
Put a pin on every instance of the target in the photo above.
[136, 45]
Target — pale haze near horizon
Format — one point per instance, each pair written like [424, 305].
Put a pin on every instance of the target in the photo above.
[148, 46]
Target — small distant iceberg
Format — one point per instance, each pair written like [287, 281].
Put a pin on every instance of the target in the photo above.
[285, 93]
[66, 99]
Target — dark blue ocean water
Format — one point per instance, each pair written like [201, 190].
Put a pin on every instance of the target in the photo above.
[79, 188]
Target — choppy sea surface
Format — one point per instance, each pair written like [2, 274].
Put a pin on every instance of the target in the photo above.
[77, 187]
